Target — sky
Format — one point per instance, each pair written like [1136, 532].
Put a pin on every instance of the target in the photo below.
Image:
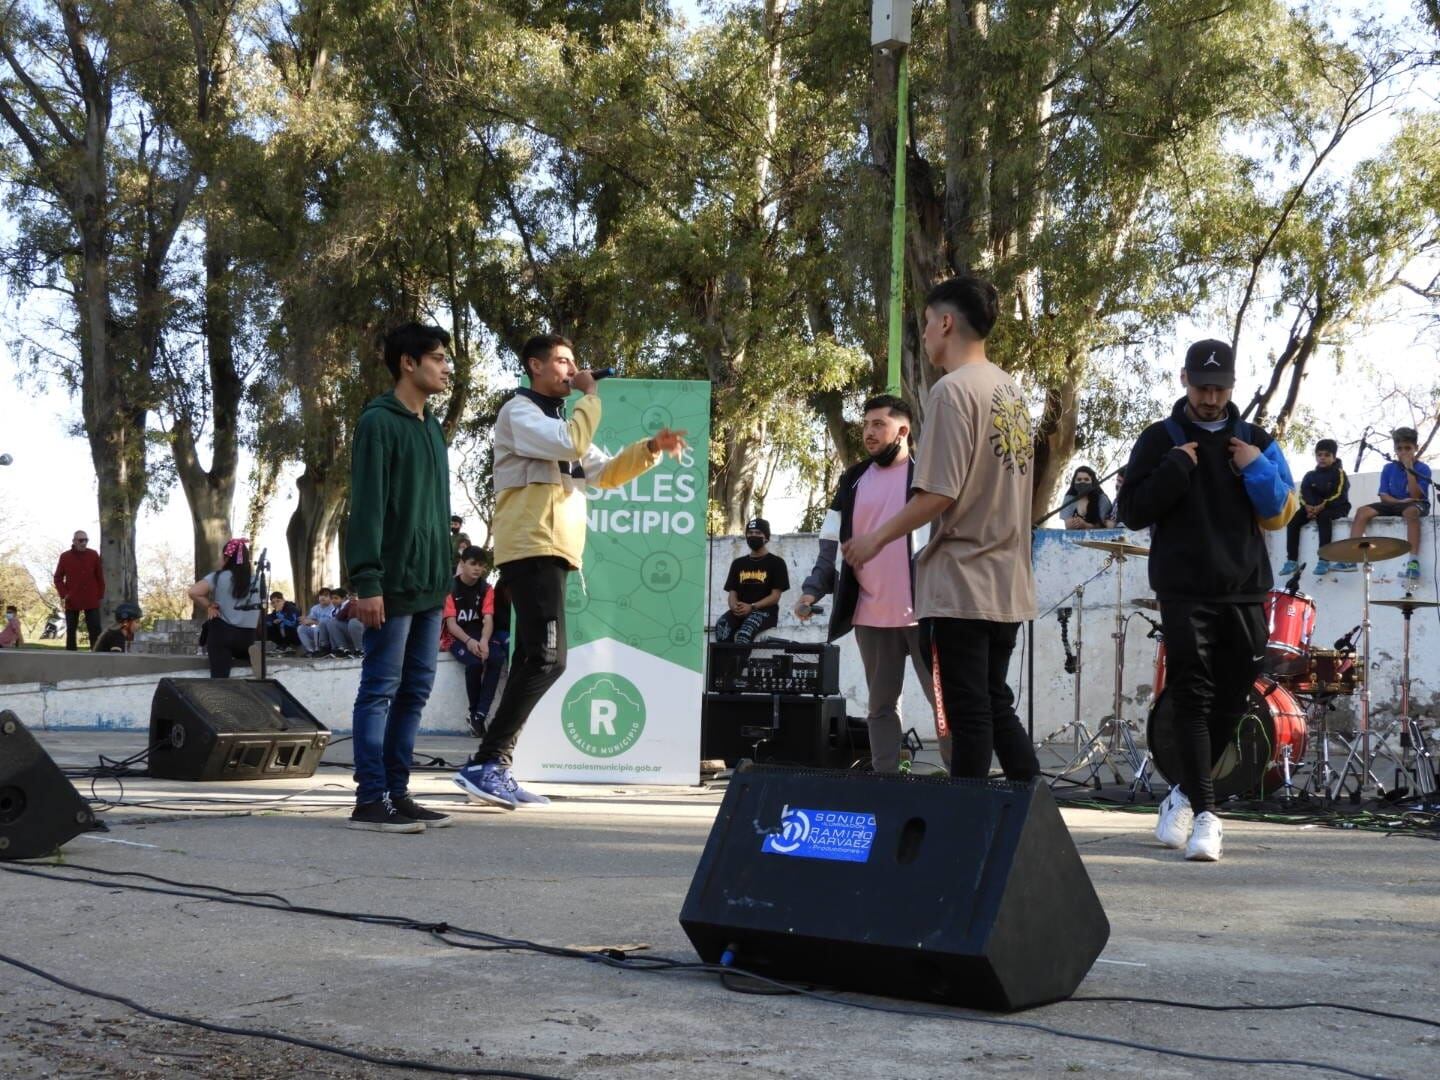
[49, 490]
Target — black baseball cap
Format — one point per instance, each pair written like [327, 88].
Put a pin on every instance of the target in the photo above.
[1210, 363]
[759, 525]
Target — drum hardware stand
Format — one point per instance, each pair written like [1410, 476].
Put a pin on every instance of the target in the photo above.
[1322, 773]
[1363, 772]
[1415, 755]
[1076, 728]
[1369, 549]
[1113, 742]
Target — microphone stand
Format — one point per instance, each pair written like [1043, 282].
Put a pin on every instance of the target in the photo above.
[262, 577]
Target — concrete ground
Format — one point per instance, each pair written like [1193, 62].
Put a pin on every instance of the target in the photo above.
[1291, 914]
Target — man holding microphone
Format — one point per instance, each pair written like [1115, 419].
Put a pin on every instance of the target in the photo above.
[543, 463]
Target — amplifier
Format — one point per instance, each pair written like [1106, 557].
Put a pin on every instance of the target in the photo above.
[774, 668]
[779, 729]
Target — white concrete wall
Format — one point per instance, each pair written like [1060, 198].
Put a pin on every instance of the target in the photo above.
[327, 687]
[1060, 565]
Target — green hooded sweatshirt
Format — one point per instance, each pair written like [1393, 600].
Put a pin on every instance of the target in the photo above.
[397, 542]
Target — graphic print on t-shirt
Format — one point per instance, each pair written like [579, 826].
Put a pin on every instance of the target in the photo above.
[1010, 439]
[752, 579]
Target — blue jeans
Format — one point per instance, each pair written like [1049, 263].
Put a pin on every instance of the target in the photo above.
[395, 680]
[495, 666]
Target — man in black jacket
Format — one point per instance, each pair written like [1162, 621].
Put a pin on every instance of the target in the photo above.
[877, 602]
[1205, 483]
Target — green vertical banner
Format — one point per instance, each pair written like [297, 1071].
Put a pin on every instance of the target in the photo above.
[627, 708]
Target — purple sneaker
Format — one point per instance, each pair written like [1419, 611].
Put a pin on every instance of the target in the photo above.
[486, 784]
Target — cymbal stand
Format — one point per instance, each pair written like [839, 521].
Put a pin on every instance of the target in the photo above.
[1412, 739]
[1364, 774]
[1113, 742]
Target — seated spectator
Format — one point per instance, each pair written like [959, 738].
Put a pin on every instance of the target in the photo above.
[468, 621]
[1404, 493]
[1324, 497]
[12, 635]
[233, 601]
[497, 663]
[119, 636]
[753, 588]
[282, 622]
[309, 630]
[344, 633]
[1086, 506]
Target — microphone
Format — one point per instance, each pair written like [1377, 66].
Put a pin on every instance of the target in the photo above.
[1360, 453]
[5, 459]
[1293, 585]
[1347, 643]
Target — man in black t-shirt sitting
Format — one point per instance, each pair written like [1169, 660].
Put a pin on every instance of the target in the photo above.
[753, 588]
[119, 636]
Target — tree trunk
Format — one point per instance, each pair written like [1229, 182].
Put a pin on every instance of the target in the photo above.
[211, 493]
[1055, 438]
[310, 535]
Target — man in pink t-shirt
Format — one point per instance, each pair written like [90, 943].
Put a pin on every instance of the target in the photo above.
[877, 599]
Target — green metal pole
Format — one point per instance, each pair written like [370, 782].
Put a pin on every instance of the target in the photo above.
[897, 225]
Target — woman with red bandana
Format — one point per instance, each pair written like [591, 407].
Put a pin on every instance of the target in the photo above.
[233, 598]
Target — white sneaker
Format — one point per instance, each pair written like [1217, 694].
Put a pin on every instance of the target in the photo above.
[1173, 828]
[1205, 841]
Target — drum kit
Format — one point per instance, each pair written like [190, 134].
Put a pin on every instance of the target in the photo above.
[1282, 747]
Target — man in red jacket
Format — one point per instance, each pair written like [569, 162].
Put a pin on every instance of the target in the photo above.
[80, 581]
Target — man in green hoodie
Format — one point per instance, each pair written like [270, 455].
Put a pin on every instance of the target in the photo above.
[399, 556]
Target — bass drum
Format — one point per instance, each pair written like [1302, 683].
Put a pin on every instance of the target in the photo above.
[1247, 762]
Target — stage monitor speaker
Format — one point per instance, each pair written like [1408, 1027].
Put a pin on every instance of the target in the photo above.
[39, 808]
[778, 729]
[232, 729]
[964, 891]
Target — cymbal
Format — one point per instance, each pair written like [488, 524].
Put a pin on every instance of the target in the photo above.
[1406, 605]
[1364, 549]
[1117, 547]
[1149, 603]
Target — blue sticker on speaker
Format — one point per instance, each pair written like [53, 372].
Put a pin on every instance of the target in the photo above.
[841, 835]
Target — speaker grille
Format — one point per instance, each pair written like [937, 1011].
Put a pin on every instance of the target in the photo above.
[234, 706]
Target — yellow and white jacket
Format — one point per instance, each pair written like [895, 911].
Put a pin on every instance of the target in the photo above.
[543, 464]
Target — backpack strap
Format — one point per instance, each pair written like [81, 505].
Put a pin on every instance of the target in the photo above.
[1175, 431]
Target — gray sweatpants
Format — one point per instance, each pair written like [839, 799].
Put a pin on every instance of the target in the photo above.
[883, 650]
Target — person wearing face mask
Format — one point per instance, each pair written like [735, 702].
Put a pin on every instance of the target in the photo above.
[876, 600]
[1086, 506]
[753, 588]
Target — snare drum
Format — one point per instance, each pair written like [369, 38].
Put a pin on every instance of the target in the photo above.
[1328, 672]
[1249, 760]
[1290, 620]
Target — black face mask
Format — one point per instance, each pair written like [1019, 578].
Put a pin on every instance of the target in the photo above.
[755, 543]
[887, 456]
[1083, 487]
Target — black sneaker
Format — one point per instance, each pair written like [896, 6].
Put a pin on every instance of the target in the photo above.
[383, 816]
[431, 819]
[477, 725]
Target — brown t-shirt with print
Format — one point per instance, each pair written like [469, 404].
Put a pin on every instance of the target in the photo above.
[976, 448]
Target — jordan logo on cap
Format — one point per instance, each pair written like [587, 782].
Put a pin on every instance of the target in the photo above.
[1211, 360]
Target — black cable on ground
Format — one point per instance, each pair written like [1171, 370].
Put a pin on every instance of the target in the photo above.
[1247, 1007]
[263, 1033]
[616, 959]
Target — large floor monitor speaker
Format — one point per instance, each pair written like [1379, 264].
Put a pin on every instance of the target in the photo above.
[232, 729]
[964, 891]
[783, 729]
[39, 808]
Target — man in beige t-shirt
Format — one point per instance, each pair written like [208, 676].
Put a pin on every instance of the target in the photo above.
[973, 581]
